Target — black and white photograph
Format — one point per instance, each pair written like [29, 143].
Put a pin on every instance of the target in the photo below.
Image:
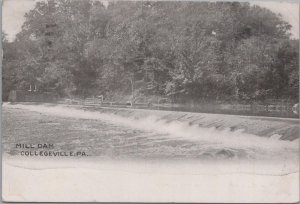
[150, 101]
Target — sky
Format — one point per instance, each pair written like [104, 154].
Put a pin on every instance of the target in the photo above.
[13, 14]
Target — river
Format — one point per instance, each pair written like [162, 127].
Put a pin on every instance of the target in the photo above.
[142, 156]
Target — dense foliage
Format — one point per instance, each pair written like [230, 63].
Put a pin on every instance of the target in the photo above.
[184, 51]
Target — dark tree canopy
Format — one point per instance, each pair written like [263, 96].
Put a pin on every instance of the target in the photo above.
[200, 51]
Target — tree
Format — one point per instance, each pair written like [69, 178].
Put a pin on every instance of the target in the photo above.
[186, 51]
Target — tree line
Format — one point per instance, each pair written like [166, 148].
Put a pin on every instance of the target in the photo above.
[183, 51]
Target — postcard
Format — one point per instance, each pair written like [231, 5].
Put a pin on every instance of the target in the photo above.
[150, 101]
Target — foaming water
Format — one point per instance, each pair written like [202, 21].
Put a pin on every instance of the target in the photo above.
[225, 141]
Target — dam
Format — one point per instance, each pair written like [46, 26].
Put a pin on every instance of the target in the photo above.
[138, 133]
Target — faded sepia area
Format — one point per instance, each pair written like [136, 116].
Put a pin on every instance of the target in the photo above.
[150, 101]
